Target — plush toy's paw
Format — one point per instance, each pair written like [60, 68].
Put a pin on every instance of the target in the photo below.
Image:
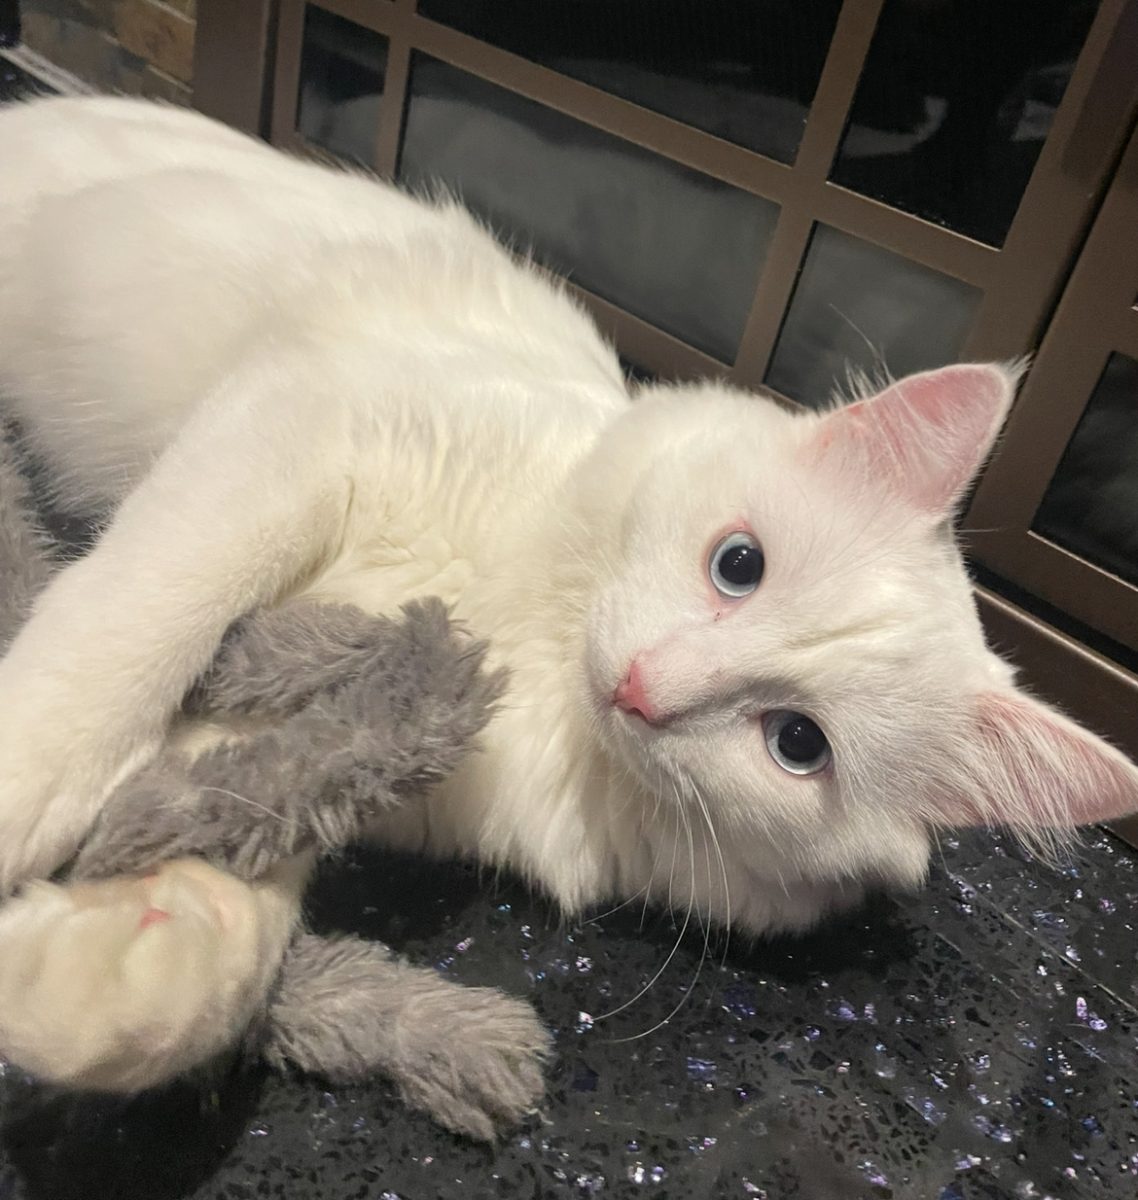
[472, 1058]
[123, 984]
[433, 692]
[345, 1009]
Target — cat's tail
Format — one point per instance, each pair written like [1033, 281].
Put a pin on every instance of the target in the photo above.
[345, 1009]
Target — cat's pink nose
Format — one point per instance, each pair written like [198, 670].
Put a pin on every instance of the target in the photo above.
[630, 696]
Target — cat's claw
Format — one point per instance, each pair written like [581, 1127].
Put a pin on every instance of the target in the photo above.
[123, 984]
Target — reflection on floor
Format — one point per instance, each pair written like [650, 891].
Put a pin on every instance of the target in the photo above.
[18, 84]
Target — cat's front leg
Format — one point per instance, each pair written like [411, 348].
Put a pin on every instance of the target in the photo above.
[249, 497]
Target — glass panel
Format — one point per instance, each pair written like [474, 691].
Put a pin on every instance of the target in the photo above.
[342, 66]
[665, 242]
[954, 104]
[1091, 505]
[858, 307]
[745, 70]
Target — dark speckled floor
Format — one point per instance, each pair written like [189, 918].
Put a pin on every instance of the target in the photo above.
[977, 1040]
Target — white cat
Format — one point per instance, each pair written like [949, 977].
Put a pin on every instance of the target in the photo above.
[747, 673]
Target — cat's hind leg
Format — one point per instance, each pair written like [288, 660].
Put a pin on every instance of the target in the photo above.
[123, 984]
[469, 1056]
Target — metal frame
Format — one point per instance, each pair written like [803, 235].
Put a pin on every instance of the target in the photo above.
[1096, 316]
[1019, 281]
[234, 47]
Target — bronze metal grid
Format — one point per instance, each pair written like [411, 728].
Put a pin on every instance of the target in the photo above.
[234, 48]
[247, 73]
[1095, 317]
[1018, 283]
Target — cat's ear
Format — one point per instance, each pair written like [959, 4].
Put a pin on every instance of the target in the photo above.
[925, 436]
[1034, 768]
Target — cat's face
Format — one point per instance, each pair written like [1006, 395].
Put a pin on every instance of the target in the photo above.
[785, 633]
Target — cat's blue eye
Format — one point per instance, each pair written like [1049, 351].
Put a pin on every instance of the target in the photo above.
[736, 565]
[796, 742]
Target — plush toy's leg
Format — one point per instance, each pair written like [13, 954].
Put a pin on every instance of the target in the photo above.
[124, 984]
[313, 781]
[344, 1009]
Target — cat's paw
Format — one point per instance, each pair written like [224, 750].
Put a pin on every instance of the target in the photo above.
[472, 1058]
[40, 823]
[53, 782]
[123, 984]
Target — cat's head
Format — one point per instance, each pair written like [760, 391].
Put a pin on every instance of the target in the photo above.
[784, 632]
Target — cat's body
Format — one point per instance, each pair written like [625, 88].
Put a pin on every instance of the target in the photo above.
[290, 381]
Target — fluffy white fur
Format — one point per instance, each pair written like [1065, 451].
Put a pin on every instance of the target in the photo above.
[282, 379]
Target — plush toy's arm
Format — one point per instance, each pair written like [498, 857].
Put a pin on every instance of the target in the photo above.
[344, 1009]
[273, 662]
[411, 706]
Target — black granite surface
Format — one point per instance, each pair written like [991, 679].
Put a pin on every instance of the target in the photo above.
[976, 1040]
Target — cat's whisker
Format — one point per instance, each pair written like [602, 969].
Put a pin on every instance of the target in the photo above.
[651, 877]
[680, 816]
[691, 986]
[781, 880]
[671, 954]
[722, 869]
[675, 840]
[707, 925]
[594, 918]
[646, 889]
[254, 804]
[635, 1037]
[934, 833]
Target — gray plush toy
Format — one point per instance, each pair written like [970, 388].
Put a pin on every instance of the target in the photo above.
[362, 713]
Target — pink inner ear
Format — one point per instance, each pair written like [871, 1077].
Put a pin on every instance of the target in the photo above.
[1038, 768]
[926, 435]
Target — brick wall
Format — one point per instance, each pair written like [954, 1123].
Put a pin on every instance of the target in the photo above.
[137, 46]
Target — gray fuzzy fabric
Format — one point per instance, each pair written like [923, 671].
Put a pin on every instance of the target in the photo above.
[399, 715]
[326, 646]
[350, 714]
[345, 1009]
